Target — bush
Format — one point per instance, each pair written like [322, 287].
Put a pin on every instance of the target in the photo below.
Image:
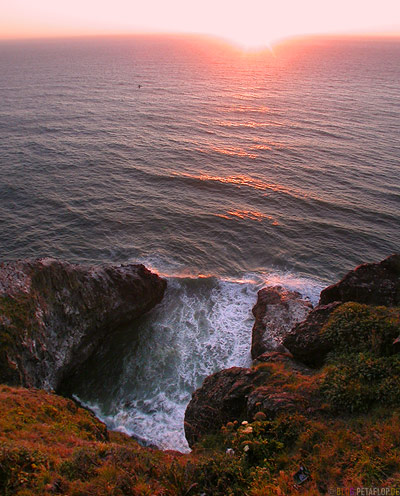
[221, 475]
[363, 328]
[355, 382]
[82, 465]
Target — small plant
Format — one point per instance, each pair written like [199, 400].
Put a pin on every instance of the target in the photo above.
[82, 465]
[221, 475]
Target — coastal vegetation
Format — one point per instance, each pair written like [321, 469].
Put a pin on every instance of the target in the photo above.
[294, 430]
[348, 437]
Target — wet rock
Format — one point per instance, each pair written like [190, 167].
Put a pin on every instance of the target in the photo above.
[306, 342]
[237, 393]
[276, 312]
[371, 283]
[53, 314]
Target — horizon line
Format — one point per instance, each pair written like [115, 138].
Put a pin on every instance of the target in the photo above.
[210, 36]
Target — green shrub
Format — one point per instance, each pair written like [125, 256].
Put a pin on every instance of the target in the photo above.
[221, 475]
[355, 382]
[179, 478]
[357, 327]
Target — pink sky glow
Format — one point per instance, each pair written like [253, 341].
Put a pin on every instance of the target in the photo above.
[248, 22]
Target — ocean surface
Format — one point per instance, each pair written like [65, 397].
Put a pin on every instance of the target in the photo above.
[223, 170]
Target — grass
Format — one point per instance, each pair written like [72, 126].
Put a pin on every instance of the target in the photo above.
[48, 444]
[346, 431]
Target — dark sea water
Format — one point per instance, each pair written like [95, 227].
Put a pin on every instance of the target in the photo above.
[225, 170]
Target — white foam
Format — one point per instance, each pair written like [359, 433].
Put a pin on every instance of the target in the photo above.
[202, 326]
[307, 287]
[162, 265]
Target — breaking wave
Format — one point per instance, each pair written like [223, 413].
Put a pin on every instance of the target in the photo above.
[203, 325]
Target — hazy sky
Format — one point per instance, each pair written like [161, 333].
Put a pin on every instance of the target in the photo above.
[247, 21]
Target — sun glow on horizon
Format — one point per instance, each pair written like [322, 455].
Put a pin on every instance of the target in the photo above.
[252, 24]
[252, 44]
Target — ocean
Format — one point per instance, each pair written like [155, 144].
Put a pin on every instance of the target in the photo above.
[223, 170]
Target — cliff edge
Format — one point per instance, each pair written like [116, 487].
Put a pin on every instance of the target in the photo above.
[53, 314]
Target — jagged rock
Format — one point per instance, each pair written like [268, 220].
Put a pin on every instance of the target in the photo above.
[237, 393]
[276, 312]
[54, 314]
[305, 342]
[371, 283]
[222, 398]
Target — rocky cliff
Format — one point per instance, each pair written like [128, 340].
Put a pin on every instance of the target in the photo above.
[276, 312]
[238, 394]
[372, 284]
[355, 319]
[54, 314]
[335, 426]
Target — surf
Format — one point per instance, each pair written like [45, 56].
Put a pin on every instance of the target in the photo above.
[142, 382]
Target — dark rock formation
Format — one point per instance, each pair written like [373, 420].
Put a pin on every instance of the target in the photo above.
[271, 401]
[372, 284]
[239, 394]
[306, 342]
[54, 314]
[222, 398]
[276, 312]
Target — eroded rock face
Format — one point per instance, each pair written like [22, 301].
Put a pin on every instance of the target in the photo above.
[372, 284]
[237, 393]
[241, 393]
[54, 314]
[276, 312]
[305, 342]
[222, 398]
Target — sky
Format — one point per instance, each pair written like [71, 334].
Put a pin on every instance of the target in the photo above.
[248, 22]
